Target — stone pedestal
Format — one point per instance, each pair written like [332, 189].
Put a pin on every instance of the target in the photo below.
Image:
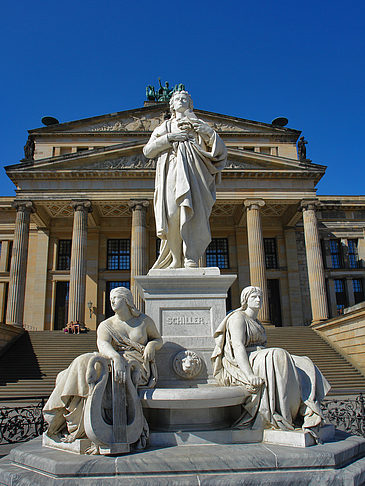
[186, 305]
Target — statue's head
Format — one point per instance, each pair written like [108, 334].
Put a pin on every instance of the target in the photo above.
[126, 295]
[180, 100]
[251, 297]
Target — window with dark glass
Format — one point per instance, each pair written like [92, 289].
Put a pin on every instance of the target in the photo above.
[64, 255]
[358, 288]
[217, 253]
[336, 253]
[341, 298]
[353, 255]
[10, 252]
[119, 254]
[271, 260]
[109, 286]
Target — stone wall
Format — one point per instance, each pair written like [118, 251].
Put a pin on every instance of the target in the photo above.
[346, 333]
[8, 335]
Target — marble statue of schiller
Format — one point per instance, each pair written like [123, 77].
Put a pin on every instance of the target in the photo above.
[190, 156]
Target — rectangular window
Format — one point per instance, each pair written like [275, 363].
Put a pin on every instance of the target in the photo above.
[341, 299]
[119, 254]
[81, 149]
[217, 253]
[10, 252]
[251, 149]
[265, 150]
[353, 255]
[336, 253]
[109, 286]
[358, 289]
[271, 259]
[64, 255]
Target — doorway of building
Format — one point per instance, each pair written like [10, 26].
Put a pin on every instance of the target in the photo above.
[61, 305]
[109, 286]
[273, 288]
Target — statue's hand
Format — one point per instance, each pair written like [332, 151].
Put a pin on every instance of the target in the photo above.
[149, 352]
[177, 137]
[202, 128]
[254, 383]
[119, 369]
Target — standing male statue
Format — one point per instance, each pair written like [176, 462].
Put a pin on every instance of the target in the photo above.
[190, 156]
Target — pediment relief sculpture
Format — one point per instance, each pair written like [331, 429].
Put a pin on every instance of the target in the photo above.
[131, 124]
[136, 161]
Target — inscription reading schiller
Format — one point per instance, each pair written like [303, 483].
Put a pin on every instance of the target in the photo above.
[186, 322]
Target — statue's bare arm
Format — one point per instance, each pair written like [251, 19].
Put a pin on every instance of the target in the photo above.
[238, 335]
[154, 340]
[104, 343]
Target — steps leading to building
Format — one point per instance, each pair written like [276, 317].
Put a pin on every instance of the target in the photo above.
[30, 367]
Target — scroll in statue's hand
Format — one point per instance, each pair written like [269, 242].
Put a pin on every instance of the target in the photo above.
[178, 137]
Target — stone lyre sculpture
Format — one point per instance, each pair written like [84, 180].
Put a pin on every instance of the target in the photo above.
[285, 391]
[190, 156]
[96, 397]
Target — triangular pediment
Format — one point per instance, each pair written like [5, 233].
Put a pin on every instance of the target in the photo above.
[129, 157]
[146, 119]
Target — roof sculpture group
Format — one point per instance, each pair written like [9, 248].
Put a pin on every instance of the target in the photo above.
[163, 93]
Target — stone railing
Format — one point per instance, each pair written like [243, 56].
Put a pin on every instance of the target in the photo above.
[346, 333]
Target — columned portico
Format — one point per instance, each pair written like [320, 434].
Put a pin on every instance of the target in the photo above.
[317, 284]
[256, 254]
[18, 267]
[139, 253]
[76, 306]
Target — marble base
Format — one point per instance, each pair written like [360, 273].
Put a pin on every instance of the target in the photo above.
[208, 407]
[339, 463]
[186, 305]
[298, 438]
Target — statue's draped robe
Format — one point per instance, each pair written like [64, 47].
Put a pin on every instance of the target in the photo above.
[197, 166]
[64, 410]
[294, 386]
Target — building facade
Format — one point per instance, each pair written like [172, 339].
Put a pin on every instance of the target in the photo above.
[82, 222]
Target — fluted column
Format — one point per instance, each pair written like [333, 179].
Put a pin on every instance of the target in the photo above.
[139, 255]
[317, 284]
[76, 303]
[18, 266]
[256, 254]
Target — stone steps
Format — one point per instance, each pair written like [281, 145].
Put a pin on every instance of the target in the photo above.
[30, 367]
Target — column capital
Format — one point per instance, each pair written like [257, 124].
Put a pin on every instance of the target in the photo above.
[82, 205]
[24, 206]
[254, 203]
[309, 205]
[138, 204]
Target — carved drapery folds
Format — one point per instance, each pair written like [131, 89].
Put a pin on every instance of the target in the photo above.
[139, 254]
[76, 306]
[18, 265]
[317, 284]
[256, 253]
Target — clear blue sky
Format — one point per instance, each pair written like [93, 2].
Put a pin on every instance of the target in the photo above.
[255, 60]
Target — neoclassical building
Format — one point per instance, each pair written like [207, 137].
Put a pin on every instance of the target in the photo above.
[82, 222]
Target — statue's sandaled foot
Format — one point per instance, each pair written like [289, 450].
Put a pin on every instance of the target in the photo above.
[189, 263]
